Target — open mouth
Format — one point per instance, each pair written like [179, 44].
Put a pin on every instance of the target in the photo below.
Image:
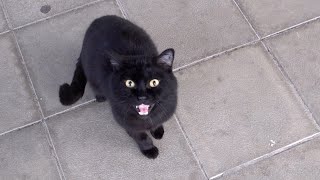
[144, 109]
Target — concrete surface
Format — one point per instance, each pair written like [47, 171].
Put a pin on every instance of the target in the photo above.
[248, 108]
[3, 24]
[91, 145]
[298, 53]
[298, 163]
[51, 49]
[18, 106]
[269, 16]
[23, 12]
[25, 154]
[172, 21]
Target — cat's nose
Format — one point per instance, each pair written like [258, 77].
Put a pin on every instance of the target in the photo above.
[142, 98]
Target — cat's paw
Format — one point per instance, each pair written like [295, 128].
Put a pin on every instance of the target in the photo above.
[158, 133]
[66, 95]
[151, 153]
[100, 98]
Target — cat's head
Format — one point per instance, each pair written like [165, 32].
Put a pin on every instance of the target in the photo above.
[142, 83]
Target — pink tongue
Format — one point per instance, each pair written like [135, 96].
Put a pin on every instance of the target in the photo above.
[143, 108]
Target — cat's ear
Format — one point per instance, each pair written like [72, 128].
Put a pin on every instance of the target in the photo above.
[114, 58]
[166, 58]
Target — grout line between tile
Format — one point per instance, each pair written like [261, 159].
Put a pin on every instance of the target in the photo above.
[4, 32]
[28, 74]
[123, 11]
[290, 28]
[53, 150]
[266, 156]
[22, 58]
[293, 88]
[20, 127]
[58, 14]
[71, 108]
[284, 74]
[247, 20]
[59, 169]
[6, 17]
[191, 147]
[215, 55]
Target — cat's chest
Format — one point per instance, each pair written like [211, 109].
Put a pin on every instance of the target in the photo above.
[142, 123]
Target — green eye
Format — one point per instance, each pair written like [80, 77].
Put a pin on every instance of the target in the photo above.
[154, 83]
[130, 83]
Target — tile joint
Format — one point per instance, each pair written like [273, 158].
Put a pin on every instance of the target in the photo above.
[191, 147]
[26, 71]
[122, 9]
[283, 72]
[254, 161]
[53, 150]
[20, 127]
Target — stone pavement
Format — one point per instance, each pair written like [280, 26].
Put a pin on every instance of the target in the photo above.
[249, 94]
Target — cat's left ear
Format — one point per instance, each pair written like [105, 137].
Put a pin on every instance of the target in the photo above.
[166, 58]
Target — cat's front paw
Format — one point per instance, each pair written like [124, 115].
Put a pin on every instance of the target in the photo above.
[158, 133]
[151, 153]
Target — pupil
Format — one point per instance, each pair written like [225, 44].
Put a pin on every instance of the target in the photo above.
[154, 83]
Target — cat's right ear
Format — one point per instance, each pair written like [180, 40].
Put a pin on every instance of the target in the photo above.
[114, 59]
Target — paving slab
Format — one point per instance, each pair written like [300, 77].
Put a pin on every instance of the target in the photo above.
[51, 49]
[23, 12]
[25, 154]
[301, 162]
[298, 53]
[91, 145]
[196, 29]
[269, 16]
[18, 106]
[236, 107]
[3, 23]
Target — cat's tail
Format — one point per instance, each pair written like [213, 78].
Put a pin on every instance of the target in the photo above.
[70, 94]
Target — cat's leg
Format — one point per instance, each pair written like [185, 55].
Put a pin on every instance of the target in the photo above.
[145, 144]
[158, 132]
[69, 94]
[98, 93]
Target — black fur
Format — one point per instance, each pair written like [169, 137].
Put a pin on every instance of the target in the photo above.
[69, 94]
[115, 50]
[157, 133]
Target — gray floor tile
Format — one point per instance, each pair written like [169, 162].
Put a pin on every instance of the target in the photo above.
[25, 154]
[18, 106]
[51, 49]
[91, 145]
[23, 12]
[236, 107]
[298, 52]
[301, 162]
[3, 23]
[269, 16]
[194, 28]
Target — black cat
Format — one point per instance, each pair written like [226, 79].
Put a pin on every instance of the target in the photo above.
[122, 64]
